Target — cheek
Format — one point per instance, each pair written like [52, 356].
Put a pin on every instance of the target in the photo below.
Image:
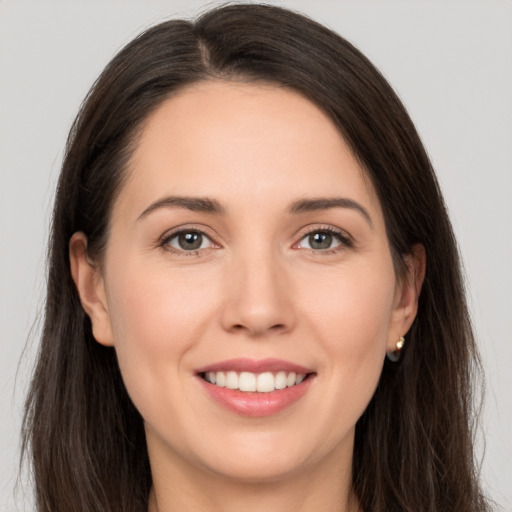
[354, 303]
[156, 322]
[352, 318]
[155, 307]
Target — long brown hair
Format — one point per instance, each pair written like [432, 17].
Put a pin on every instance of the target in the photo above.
[414, 447]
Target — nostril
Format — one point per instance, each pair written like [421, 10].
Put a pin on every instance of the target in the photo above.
[255, 330]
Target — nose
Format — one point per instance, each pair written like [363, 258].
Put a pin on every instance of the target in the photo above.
[259, 297]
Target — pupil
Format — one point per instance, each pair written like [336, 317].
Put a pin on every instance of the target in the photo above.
[320, 240]
[190, 241]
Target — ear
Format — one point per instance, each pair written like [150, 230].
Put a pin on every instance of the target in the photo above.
[407, 292]
[91, 289]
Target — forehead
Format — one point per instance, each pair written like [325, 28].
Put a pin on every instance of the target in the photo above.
[240, 143]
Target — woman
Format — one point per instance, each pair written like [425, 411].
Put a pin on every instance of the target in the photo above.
[254, 295]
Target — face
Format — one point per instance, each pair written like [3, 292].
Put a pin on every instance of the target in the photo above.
[247, 284]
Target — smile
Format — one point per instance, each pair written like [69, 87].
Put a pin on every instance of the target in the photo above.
[254, 382]
[253, 388]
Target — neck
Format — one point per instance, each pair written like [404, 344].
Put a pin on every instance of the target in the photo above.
[326, 487]
[277, 497]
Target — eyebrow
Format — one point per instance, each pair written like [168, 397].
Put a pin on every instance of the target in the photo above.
[195, 204]
[207, 205]
[322, 203]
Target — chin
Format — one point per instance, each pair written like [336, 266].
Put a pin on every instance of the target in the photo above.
[272, 456]
[259, 469]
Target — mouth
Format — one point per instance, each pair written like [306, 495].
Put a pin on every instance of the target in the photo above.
[255, 388]
[265, 382]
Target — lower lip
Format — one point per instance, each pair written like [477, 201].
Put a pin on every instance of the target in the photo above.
[257, 405]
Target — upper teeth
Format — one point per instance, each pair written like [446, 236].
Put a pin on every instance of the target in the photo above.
[247, 381]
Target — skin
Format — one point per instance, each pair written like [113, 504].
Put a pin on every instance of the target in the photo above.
[254, 289]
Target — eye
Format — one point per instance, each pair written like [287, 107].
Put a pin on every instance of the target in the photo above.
[323, 240]
[189, 240]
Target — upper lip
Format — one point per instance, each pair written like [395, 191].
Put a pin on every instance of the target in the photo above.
[254, 366]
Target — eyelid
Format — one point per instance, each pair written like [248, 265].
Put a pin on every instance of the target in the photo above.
[344, 238]
[164, 240]
[341, 235]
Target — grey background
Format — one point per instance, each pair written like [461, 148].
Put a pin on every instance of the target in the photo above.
[451, 63]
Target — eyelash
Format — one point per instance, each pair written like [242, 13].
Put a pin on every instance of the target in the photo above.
[345, 241]
[165, 242]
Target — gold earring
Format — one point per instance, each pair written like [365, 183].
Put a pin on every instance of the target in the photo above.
[394, 356]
